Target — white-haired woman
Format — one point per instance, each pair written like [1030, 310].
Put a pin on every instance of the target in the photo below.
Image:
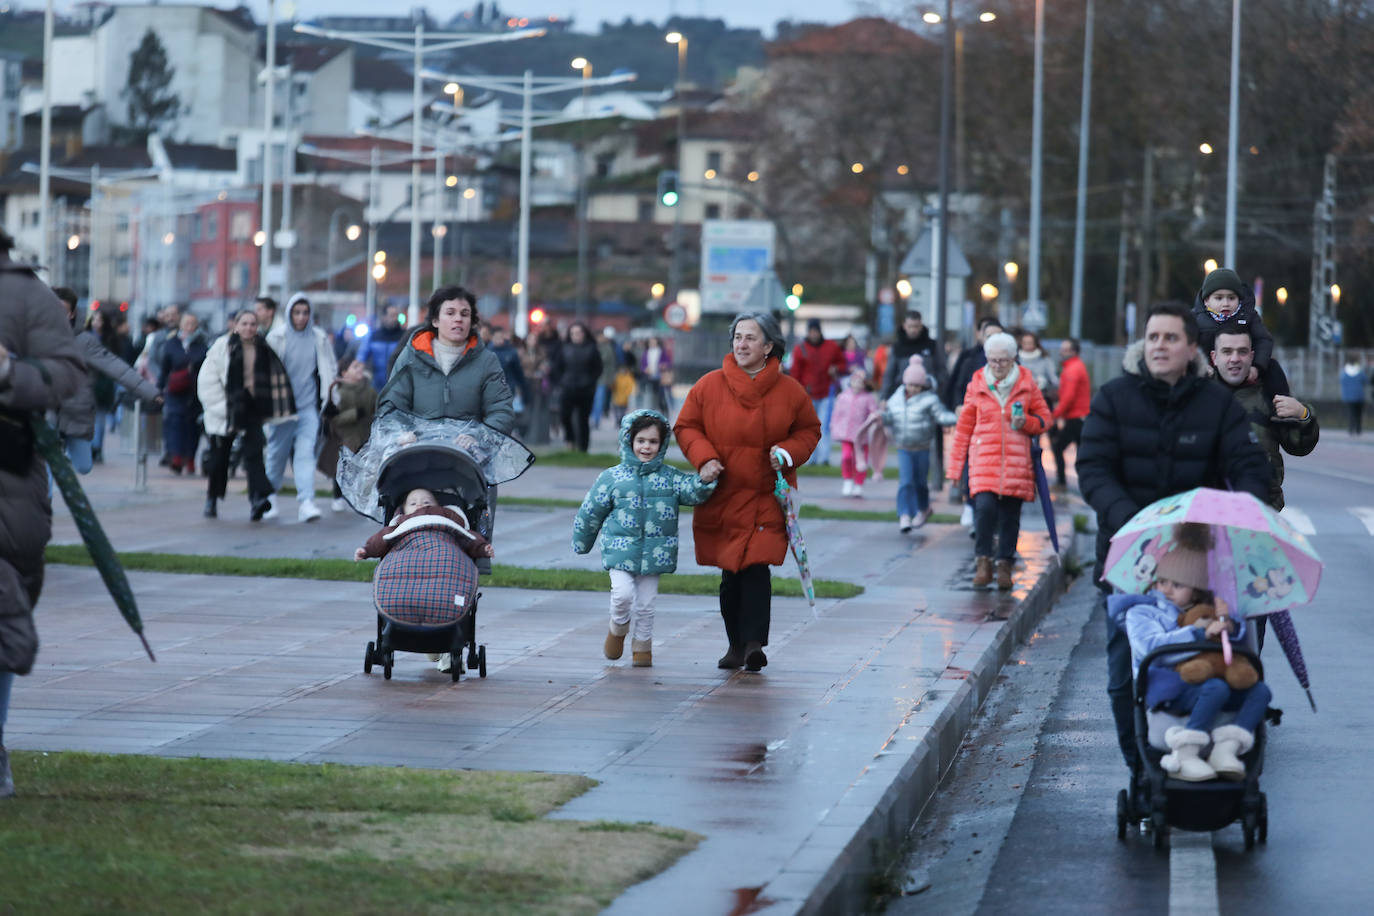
[1003, 411]
[746, 421]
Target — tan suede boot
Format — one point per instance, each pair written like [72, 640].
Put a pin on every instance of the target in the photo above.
[1004, 574]
[982, 573]
[615, 641]
[642, 652]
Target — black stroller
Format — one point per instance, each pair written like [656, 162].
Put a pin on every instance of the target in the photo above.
[425, 588]
[1197, 806]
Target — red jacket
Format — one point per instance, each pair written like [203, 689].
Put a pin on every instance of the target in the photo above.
[1075, 391]
[813, 365]
[737, 419]
[999, 457]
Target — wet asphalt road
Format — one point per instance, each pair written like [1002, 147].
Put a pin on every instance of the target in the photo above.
[1025, 822]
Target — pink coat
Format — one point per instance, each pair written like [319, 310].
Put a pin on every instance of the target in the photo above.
[852, 408]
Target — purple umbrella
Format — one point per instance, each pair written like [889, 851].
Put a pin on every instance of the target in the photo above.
[1282, 623]
[1042, 486]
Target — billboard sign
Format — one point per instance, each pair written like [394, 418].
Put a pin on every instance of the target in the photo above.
[734, 255]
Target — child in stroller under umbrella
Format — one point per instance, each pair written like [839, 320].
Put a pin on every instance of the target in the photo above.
[1152, 621]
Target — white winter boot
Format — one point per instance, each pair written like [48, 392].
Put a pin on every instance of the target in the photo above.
[1228, 743]
[1185, 762]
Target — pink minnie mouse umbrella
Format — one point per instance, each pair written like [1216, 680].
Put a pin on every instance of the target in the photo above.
[1258, 563]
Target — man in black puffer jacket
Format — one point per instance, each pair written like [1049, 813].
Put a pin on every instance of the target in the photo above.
[1161, 428]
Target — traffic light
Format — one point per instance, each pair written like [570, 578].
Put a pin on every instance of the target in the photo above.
[667, 188]
[793, 301]
[536, 315]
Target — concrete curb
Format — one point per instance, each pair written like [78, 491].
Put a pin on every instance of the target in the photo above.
[896, 787]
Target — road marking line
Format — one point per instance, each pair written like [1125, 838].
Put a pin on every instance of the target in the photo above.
[1366, 516]
[1192, 875]
[1299, 519]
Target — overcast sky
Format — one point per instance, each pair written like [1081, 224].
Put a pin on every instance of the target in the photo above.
[589, 14]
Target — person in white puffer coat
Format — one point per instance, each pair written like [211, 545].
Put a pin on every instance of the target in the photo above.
[914, 415]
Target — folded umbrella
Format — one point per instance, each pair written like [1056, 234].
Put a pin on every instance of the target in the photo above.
[103, 555]
[787, 498]
[1042, 486]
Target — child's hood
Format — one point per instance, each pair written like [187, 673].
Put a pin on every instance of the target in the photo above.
[627, 455]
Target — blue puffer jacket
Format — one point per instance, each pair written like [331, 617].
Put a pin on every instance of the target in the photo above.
[634, 506]
[1151, 622]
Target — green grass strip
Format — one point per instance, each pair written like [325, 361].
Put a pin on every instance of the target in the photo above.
[340, 570]
[102, 833]
[808, 510]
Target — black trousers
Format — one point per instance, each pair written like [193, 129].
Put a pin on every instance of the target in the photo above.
[576, 412]
[259, 488]
[746, 604]
[1060, 440]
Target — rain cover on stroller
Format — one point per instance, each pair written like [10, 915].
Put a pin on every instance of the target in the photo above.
[500, 457]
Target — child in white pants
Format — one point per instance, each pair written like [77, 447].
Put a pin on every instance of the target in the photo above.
[634, 507]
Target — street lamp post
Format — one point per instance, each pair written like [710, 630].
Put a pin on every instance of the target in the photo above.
[941, 271]
[1233, 137]
[1037, 146]
[583, 290]
[45, 152]
[333, 234]
[527, 87]
[1081, 210]
[675, 268]
[265, 256]
[419, 45]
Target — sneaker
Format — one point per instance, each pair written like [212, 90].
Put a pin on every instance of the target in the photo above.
[6, 780]
[339, 505]
[858, 491]
[966, 517]
[904, 523]
[445, 663]
[308, 511]
[847, 489]
[271, 510]
[922, 517]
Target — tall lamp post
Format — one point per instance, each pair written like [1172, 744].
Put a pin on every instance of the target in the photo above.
[583, 284]
[1081, 206]
[675, 268]
[420, 44]
[1233, 138]
[527, 87]
[1037, 146]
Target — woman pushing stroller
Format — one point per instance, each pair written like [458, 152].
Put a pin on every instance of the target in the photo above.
[1180, 609]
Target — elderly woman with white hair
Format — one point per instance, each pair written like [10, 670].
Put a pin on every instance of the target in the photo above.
[746, 421]
[1003, 412]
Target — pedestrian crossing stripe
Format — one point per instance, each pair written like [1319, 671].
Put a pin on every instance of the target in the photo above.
[1300, 520]
[1366, 516]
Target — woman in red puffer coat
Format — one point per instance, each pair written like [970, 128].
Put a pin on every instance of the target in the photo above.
[746, 420]
[1003, 412]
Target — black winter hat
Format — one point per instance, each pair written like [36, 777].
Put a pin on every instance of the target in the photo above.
[1221, 278]
[814, 324]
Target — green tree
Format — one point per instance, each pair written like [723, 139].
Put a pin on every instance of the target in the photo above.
[153, 106]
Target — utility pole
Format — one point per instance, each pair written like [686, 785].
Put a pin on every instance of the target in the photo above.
[1323, 260]
[268, 104]
[1119, 330]
[1147, 227]
[1081, 207]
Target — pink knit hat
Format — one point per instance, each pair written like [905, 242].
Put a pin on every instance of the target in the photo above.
[915, 372]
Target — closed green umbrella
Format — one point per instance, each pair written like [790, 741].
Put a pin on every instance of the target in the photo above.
[97, 544]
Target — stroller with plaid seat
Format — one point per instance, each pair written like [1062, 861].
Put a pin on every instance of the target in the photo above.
[425, 588]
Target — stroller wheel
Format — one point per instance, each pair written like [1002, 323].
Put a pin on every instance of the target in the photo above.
[367, 657]
[387, 663]
[1248, 829]
[1263, 819]
[456, 671]
[482, 662]
[1122, 807]
[1160, 828]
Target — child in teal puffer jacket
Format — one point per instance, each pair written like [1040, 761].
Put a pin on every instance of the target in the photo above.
[634, 506]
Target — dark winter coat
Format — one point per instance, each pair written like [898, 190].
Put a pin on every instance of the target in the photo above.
[1276, 436]
[76, 416]
[474, 389]
[45, 369]
[177, 355]
[736, 419]
[581, 367]
[970, 360]
[634, 507]
[1144, 439]
[347, 421]
[903, 348]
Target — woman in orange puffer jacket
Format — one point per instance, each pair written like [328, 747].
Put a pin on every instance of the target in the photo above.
[1003, 412]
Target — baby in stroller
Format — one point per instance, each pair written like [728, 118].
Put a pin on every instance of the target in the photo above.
[1154, 620]
[422, 510]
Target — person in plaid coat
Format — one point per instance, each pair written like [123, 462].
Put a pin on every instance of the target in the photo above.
[634, 506]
